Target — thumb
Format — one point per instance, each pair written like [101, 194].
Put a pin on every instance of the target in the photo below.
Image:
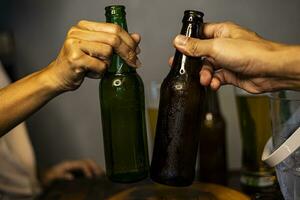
[192, 46]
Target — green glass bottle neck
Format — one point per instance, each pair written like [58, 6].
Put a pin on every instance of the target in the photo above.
[184, 64]
[118, 65]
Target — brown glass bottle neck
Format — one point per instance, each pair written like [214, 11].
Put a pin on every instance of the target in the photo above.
[192, 29]
[183, 64]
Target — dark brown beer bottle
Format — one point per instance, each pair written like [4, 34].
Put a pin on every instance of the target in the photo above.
[212, 146]
[180, 108]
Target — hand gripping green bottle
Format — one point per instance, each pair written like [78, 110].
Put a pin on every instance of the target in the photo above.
[122, 102]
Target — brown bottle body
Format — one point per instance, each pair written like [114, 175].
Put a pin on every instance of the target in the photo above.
[180, 108]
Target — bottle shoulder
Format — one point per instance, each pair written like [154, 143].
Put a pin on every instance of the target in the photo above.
[181, 82]
[121, 82]
[109, 76]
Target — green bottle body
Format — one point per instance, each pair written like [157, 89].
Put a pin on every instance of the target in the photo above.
[122, 102]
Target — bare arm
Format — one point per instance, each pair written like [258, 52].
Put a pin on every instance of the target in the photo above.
[22, 98]
[85, 53]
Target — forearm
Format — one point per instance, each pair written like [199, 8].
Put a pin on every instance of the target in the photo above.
[22, 98]
[86, 53]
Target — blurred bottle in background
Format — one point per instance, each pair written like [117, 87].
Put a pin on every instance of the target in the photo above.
[212, 163]
[7, 41]
[255, 126]
[7, 52]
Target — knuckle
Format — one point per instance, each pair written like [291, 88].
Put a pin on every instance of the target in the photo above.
[108, 51]
[70, 42]
[193, 47]
[71, 31]
[130, 56]
[116, 29]
[73, 57]
[66, 164]
[115, 40]
[82, 23]
[225, 29]
[82, 163]
[103, 65]
[215, 44]
[228, 23]
[84, 166]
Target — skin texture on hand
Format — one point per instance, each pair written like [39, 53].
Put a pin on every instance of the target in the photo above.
[63, 171]
[237, 56]
[86, 52]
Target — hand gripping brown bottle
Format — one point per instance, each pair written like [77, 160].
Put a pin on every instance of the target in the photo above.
[180, 109]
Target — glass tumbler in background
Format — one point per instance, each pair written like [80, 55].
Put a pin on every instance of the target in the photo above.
[255, 126]
[285, 112]
[152, 106]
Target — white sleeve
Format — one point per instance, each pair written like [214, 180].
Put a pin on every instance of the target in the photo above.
[18, 152]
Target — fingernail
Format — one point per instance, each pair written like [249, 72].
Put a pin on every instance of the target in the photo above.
[137, 50]
[138, 63]
[181, 40]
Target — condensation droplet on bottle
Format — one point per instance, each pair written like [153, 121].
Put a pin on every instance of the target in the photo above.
[178, 87]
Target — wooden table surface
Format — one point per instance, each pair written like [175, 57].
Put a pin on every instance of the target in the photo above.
[102, 188]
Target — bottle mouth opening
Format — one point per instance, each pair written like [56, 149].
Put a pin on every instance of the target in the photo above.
[113, 7]
[192, 16]
[115, 10]
[194, 13]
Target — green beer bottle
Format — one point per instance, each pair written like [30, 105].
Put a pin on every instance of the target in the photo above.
[123, 115]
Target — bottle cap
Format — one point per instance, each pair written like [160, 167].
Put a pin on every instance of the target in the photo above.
[194, 12]
[282, 152]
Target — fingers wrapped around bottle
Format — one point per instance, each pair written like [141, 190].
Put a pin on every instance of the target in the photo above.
[90, 45]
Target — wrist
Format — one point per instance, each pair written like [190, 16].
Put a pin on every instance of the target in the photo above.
[288, 65]
[48, 78]
[288, 59]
